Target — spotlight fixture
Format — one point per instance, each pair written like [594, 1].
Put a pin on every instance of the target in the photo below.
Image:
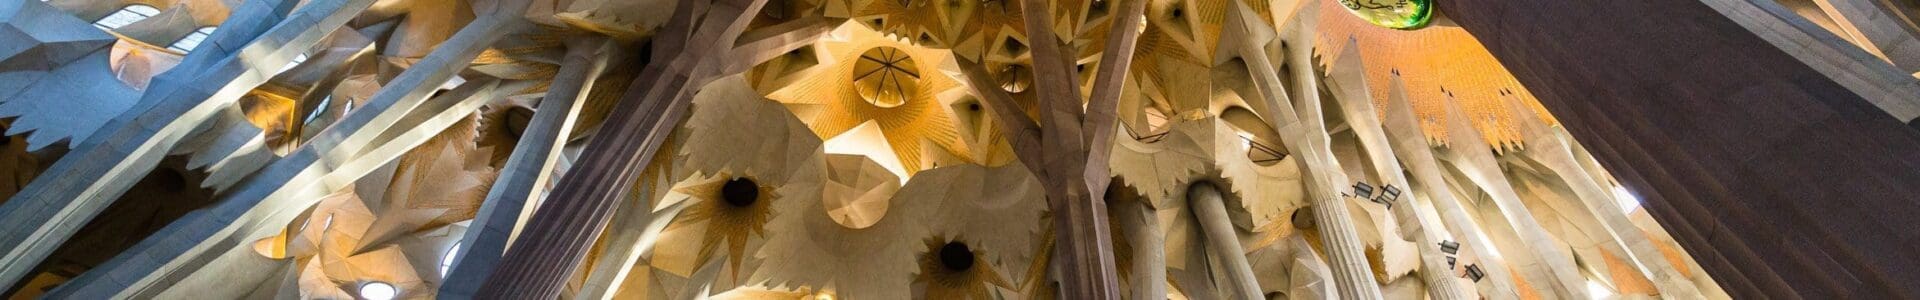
[1388, 194]
[1362, 189]
[1473, 271]
[1450, 247]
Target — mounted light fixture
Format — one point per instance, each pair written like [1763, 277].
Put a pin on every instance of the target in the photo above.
[1388, 194]
[1450, 247]
[1362, 190]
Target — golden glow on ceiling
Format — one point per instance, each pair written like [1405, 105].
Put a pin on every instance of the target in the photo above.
[918, 130]
[885, 76]
[1439, 63]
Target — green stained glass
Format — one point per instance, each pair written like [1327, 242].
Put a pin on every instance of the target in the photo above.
[1396, 14]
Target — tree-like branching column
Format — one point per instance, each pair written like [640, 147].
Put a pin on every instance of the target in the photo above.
[1069, 147]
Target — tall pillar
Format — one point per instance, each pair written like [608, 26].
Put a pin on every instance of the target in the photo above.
[1348, 254]
[259, 38]
[1471, 155]
[1410, 142]
[1776, 178]
[528, 168]
[1348, 83]
[1224, 242]
[1141, 229]
[1304, 134]
[1544, 146]
[700, 43]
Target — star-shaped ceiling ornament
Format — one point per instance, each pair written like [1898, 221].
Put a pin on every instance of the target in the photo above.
[951, 269]
[735, 181]
[733, 210]
[867, 78]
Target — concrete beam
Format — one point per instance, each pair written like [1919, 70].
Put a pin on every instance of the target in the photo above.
[260, 38]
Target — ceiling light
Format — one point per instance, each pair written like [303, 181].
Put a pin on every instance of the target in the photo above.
[378, 291]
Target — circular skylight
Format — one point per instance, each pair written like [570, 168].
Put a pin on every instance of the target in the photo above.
[886, 76]
[378, 291]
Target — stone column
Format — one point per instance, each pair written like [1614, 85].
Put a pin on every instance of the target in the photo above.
[1724, 136]
[1304, 135]
[1223, 240]
[507, 203]
[1544, 146]
[1470, 154]
[1141, 229]
[687, 54]
[1348, 83]
[1410, 142]
[259, 38]
[1348, 254]
[1345, 253]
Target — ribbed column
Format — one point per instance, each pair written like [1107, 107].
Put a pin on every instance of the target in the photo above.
[1224, 242]
[234, 60]
[506, 205]
[1348, 82]
[1474, 158]
[1345, 253]
[1142, 232]
[1348, 254]
[1304, 135]
[1410, 143]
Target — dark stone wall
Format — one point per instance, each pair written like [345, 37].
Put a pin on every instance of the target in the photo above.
[1775, 178]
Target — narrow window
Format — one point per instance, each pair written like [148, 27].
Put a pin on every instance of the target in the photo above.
[317, 111]
[297, 60]
[446, 261]
[126, 15]
[192, 40]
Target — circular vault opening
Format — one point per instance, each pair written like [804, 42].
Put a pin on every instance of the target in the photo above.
[886, 76]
